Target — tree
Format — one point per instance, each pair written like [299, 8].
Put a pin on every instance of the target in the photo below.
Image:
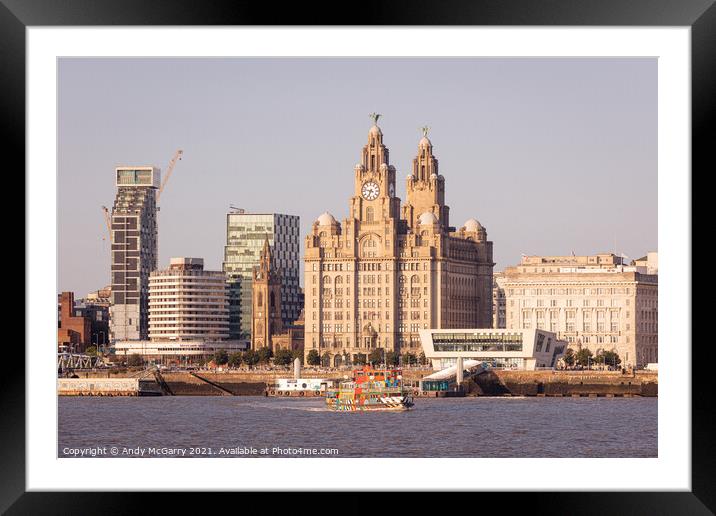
[392, 358]
[283, 357]
[298, 353]
[134, 360]
[422, 358]
[359, 359]
[569, 358]
[376, 356]
[326, 359]
[313, 358]
[221, 357]
[250, 357]
[91, 350]
[609, 358]
[583, 357]
[264, 354]
[235, 360]
[409, 359]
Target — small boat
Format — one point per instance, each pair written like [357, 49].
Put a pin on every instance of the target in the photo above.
[371, 389]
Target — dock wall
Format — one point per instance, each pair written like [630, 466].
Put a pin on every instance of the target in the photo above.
[490, 383]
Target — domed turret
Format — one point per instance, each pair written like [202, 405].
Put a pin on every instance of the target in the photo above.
[427, 218]
[472, 225]
[326, 219]
[424, 142]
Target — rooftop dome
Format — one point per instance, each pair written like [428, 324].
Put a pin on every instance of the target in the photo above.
[326, 219]
[428, 218]
[424, 142]
[375, 130]
[472, 225]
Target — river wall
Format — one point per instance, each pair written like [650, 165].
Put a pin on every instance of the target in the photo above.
[490, 383]
[562, 383]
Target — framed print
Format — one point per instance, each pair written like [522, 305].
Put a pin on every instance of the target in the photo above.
[413, 250]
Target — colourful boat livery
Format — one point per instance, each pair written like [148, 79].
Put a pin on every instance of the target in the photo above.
[371, 389]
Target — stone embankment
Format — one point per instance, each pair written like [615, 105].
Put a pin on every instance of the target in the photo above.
[490, 383]
[563, 383]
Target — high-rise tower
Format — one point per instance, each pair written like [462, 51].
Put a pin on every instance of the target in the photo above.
[134, 250]
[245, 235]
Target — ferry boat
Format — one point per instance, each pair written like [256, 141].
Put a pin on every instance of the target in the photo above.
[299, 387]
[371, 389]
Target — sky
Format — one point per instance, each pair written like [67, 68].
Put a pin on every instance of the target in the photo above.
[551, 155]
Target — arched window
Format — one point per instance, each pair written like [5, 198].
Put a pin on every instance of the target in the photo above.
[369, 214]
[273, 300]
[261, 299]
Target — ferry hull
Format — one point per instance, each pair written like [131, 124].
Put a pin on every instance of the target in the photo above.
[385, 405]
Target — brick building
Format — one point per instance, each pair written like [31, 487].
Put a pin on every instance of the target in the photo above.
[74, 332]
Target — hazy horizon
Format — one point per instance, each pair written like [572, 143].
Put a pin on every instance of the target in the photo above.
[551, 155]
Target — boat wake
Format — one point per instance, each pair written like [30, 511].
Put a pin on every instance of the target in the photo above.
[287, 406]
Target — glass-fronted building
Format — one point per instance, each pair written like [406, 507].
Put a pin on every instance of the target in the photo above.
[245, 235]
[516, 349]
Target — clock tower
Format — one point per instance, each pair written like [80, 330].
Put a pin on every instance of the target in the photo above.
[382, 275]
[425, 188]
[374, 184]
[266, 302]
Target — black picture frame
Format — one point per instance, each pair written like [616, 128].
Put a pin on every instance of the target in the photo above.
[700, 15]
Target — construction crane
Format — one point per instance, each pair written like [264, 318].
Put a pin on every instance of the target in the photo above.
[108, 221]
[170, 168]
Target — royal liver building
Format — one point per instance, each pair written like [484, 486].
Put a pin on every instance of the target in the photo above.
[389, 270]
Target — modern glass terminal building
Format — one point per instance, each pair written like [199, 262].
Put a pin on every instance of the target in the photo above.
[516, 349]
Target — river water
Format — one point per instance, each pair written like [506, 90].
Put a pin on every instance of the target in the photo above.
[270, 427]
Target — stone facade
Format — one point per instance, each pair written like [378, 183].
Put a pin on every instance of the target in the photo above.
[389, 271]
[267, 324]
[596, 302]
[499, 312]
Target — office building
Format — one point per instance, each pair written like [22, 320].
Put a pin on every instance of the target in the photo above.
[245, 236]
[388, 271]
[74, 330]
[187, 303]
[499, 314]
[596, 302]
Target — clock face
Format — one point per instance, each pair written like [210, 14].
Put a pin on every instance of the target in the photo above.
[370, 190]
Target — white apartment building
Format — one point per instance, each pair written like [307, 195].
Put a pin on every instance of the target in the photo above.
[187, 303]
[596, 302]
